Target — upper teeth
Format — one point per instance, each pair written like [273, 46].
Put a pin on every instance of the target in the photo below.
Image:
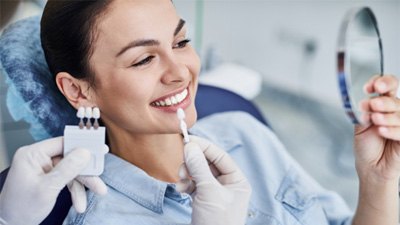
[173, 100]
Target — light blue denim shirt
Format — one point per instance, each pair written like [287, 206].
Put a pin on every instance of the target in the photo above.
[283, 193]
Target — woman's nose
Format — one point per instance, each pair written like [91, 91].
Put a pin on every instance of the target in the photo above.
[175, 72]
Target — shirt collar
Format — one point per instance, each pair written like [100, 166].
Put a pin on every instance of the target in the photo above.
[134, 183]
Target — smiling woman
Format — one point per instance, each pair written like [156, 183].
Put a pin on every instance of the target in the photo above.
[131, 58]
[137, 81]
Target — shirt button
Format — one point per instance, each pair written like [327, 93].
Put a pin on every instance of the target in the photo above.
[251, 214]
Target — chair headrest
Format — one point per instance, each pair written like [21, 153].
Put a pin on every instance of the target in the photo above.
[32, 94]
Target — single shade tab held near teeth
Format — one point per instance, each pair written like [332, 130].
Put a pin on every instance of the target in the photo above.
[185, 184]
[181, 116]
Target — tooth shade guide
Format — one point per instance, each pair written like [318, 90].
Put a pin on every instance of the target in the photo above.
[81, 112]
[181, 116]
[81, 124]
[88, 112]
[96, 113]
[96, 124]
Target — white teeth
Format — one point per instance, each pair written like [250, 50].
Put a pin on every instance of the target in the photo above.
[179, 97]
[173, 100]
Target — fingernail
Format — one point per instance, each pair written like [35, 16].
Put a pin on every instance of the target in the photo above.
[361, 106]
[381, 86]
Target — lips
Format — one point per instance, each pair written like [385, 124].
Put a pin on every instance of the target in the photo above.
[171, 100]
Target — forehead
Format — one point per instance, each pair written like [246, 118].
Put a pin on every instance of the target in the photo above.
[142, 10]
[126, 20]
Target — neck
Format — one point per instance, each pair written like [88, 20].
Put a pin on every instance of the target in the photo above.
[160, 155]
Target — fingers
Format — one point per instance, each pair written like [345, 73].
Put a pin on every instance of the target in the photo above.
[95, 184]
[105, 149]
[207, 187]
[39, 155]
[382, 119]
[68, 168]
[218, 157]
[392, 133]
[51, 147]
[78, 196]
[369, 86]
[221, 161]
[382, 104]
[384, 109]
[197, 164]
[384, 85]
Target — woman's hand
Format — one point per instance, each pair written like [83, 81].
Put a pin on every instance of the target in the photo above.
[377, 153]
[377, 142]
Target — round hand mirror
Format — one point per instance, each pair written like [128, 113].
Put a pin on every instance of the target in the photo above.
[359, 58]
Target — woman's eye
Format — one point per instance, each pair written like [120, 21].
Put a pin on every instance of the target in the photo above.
[182, 44]
[144, 61]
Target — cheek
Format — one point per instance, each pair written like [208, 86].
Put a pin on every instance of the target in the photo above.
[191, 116]
[191, 119]
[126, 87]
[194, 64]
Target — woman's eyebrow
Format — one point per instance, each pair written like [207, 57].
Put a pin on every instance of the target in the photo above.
[179, 27]
[148, 42]
[137, 43]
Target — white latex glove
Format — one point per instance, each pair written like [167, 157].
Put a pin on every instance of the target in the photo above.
[36, 177]
[218, 200]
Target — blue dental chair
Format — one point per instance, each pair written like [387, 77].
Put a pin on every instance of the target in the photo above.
[31, 85]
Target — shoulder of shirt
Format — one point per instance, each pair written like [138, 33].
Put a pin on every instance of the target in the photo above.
[236, 125]
[221, 122]
[242, 132]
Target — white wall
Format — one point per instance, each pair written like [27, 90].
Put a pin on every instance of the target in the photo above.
[269, 35]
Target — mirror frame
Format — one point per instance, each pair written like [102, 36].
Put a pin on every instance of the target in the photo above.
[344, 78]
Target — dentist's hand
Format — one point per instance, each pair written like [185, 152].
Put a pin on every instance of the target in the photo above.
[36, 177]
[221, 198]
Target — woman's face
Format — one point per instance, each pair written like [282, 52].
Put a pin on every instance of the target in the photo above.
[144, 68]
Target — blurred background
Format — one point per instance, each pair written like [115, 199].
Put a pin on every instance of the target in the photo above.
[279, 54]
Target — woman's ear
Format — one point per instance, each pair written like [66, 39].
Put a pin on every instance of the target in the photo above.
[75, 91]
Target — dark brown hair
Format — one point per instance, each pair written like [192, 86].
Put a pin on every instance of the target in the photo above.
[68, 30]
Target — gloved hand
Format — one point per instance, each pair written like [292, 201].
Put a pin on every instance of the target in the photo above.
[221, 198]
[36, 177]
